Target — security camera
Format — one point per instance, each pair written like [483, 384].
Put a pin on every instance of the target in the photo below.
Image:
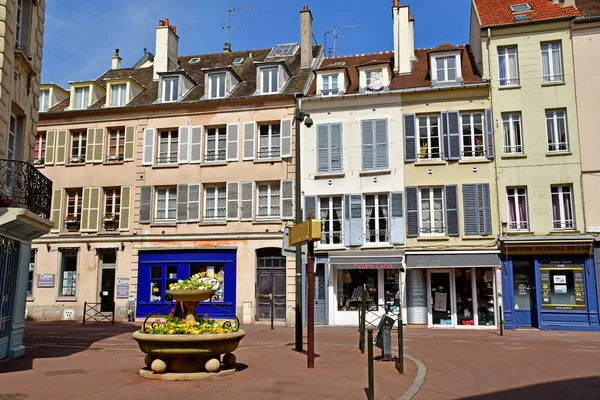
[308, 122]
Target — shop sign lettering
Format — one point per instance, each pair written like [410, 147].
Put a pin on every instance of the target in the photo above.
[557, 249]
[46, 280]
[373, 266]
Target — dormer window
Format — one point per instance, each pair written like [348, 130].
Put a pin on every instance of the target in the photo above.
[330, 85]
[44, 100]
[170, 89]
[270, 80]
[118, 95]
[374, 79]
[445, 68]
[82, 98]
[216, 86]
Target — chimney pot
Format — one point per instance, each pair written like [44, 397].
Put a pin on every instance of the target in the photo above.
[145, 50]
[395, 3]
[167, 48]
[166, 22]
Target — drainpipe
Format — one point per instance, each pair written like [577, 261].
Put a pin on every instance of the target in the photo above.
[298, 201]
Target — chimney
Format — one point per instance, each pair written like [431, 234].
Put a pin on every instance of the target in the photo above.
[411, 22]
[306, 51]
[227, 48]
[404, 48]
[167, 48]
[116, 60]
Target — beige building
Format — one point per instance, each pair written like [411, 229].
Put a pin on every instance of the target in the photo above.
[177, 165]
[24, 192]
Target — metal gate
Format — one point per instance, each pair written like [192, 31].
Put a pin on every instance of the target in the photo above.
[9, 266]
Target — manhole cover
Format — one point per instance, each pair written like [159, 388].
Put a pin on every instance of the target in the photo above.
[13, 396]
[63, 372]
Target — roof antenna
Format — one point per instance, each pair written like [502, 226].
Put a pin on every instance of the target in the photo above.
[230, 11]
[335, 49]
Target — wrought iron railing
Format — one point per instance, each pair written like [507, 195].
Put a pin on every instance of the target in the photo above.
[331, 237]
[22, 185]
[377, 235]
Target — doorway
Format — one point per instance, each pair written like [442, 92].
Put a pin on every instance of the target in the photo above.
[441, 313]
[108, 265]
[319, 287]
[524, 294]
[270, 281]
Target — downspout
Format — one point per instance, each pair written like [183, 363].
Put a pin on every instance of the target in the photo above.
[489, 39]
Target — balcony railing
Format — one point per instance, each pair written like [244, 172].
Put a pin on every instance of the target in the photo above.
[377, 236]
[331, 237]
[23, 186]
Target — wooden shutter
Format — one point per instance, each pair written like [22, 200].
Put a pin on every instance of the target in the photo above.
[247, 201]
[310, 207]
[57, 206]
[249, 133]
[98, 146]
[397, 218]
[232, 142]
[451, 200]
[85, 210]
[410, 138]
[148, 152]
[95, 195]
[335, 143]
[286, 138]
[471, 217]
[453, 136]
[381, 144]
[196, 144]
[50, 146]
[368, 163]
[323, 165]
[182, 203]
[489, 132]
[287, 199]
[61, 147]
[129, 145]
[145, 204]
[444, 129]
[194, 191]
[233, 201]
[183, 153]
[89, 145]
[412, 211]
[125, 210]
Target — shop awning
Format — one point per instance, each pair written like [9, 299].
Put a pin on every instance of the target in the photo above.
[367, 260]
[452, 260]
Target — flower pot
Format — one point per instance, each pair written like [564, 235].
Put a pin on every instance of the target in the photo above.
[72, 226]
[5, 203]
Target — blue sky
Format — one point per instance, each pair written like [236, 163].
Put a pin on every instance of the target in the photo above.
[81, 35]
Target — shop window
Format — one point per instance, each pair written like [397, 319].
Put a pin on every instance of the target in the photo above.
[351, 283]
[68, 274]
[156, 277]
[31, 273]
[563, 285]
[391, 287]
[464, 296]
[485, 296]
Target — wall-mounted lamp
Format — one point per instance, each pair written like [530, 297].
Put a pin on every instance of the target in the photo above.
[122, 246]
[88, 245]
[48, 246]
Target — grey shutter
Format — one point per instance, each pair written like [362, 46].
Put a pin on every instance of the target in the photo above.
[249, 140]
[196, 144]
[470, 206]
[347, 225]
[451, 200]
[287, 199]
[410, 138]
[412, 211]
[355, 221]
[193, 202]
[453, 136]
[232, 201]
[323, 149]
[397, 218]
[335, 143]
[182, 203]
[445, 141]
[286, 138]
[148, 152]
[485, 210]
[145, 204]
[184, 145]
[381, 144]
[310, 207]
[232, 142]
[247, 201]
[489, 132]
[368, 163]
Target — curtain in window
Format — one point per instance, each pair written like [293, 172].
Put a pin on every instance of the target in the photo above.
[545, 62]
[556, 210]
[275, 200]
[263, 201]
[522, 212]
[512, 217]
[221, 202]
[161, 205]
[567, 209]
[172, 204]
[556, 61]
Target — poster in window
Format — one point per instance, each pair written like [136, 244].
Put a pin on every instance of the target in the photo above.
[560, 279]
[440, 301]
[563, 285]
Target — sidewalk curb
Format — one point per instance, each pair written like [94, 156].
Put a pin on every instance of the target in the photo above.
[418, 382]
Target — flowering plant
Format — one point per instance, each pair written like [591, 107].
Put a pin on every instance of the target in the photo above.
[109, 215]
[4, 198]
[71, 218]
[176, 326]
[199, 281]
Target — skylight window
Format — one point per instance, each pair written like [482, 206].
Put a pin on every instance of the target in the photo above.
[194, 60]
[340, 64]
[238, 61]
[521, 17]
[520, 7]
[281, 50]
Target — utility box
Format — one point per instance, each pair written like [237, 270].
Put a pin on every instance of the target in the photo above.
[384, 337]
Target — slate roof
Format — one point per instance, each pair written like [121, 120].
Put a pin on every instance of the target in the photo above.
[588, 8]
[498, 13]
[246, 71]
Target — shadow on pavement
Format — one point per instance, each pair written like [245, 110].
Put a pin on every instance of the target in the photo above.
[60, 339]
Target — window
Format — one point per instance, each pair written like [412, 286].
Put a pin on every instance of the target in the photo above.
[39, 153]
[269, 198]
[44, 100]
[329, 148]
[68, 273]
[269, 141]
[330, 211]
[512, 133]
[564, 284]
[270, 80]
[13, 131]
[445, 69]
[116, 144]
[429, 137]
[78, 146]
[170, 89]
[517, 209]
[350, 286]
[166, 204]
[112, 208]
[217, 86]
[376, 218]
[562, 207]
[216, 142]
[556, 130]
[472, 135]
[215, 202]
[552, 70]
[19, 31]
[330, 85]
[520, 7]
[118, 94]
[168, 142]
[374, 79]
[31, 273]
[82, 98]
[280, 50]
[431, 211]
[74, 203]
[508, 66]
[374, 145]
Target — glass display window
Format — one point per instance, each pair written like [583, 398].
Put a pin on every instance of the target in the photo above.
[486, 304]
[391, 288]
[464, 297]
[351, 283]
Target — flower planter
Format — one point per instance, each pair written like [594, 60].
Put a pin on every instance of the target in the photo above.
[110, 224]
[5, 203]
[72, 226]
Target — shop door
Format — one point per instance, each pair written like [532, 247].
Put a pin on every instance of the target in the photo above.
[108, 266]
[440, 299]
[525, 310]
[320, 288]
[271, 282]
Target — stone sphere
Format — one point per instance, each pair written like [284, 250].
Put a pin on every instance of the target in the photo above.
[158, 366]
[212, 365]
[148, 360]
[229, 360]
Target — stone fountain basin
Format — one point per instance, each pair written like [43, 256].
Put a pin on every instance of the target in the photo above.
[188, 345]
[191, 295]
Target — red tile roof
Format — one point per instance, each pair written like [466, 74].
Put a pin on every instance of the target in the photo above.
[498, 12]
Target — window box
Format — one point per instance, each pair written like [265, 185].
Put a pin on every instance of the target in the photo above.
[38, 161]
[114, 157]
[72, 224]
[109, 221]
[5, 201]
[77, 160]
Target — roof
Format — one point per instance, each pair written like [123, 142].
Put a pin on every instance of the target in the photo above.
[498, 13]
[589, 8]
[419, 77]
[196, 71]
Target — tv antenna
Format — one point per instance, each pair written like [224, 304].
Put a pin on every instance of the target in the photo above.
[229, 25]
[338, 36]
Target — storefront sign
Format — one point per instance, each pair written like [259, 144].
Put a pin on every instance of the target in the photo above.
[373, 266]
[563, 285]
[549, 249]
[122, 288]
[46, 280]
[416, 297]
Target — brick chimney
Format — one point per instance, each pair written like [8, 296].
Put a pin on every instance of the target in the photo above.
[306, 51]
[167, 48]
[404, 49]
[116, 60]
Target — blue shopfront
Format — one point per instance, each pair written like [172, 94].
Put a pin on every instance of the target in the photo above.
[159, 268]
[549, 285]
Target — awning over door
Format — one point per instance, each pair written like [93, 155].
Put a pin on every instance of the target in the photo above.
[368, 260]
[452, 260]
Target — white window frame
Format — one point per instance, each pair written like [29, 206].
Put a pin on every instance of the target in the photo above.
[270, 71]
[40, 143]
[220, 77]
[429, 136]
[13, 134]
[431, 199]
[19, 27]
[446, 56]
[565, 225]
[512, 147]
[481, 153]
[170, 193]
[122, 94]
[220, 134]
[173, 89]
[270, 203]
[120, 133]
[217, 193]
[553, 138]
[518, 225]
[81, 148]
[172, 148]
[331, 234]
[330, 90]
[553, 76]
[84, 98]
[44, 100]
[270, 152]
[78, 209]
[508, 80]
[376, 216]
[114, 200]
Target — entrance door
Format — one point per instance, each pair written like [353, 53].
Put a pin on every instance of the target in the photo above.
[525, 310]
[270, 280]
[107, 289]
[440, 299]
[9, 265]
[320, 287]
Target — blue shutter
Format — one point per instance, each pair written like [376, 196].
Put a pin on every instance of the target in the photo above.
[453, 135]
[451, 198]
[310, 207]
[356, 221]
[323, 165]
[470, 209]
[445, 141]
[397, 218]
[368, 163]
[412, 212]
[410, 138]
[489, 132]
[381, 144]
[335, 145]
[347, 226]
[486, 209]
